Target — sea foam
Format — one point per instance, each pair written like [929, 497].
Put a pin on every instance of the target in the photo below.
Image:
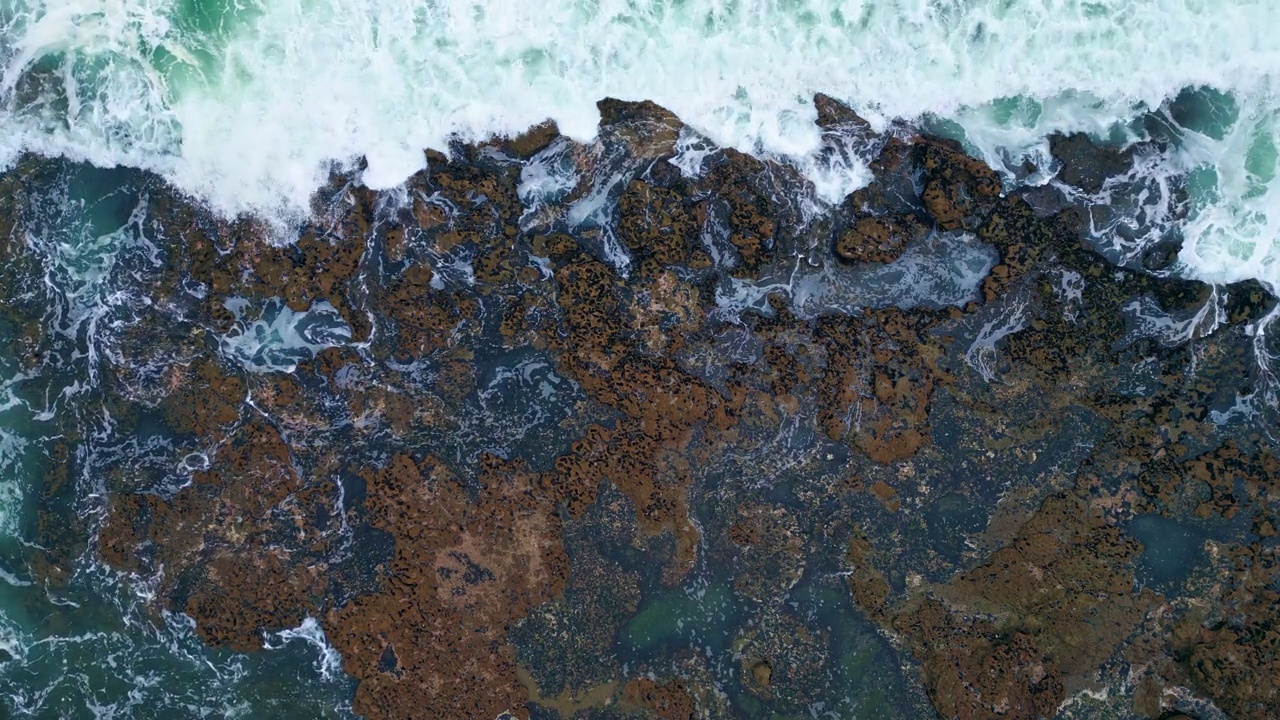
[250, 104]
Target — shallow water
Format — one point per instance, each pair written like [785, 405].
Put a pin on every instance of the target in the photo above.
[1174, 549]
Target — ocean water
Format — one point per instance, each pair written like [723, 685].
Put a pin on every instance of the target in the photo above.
[88, 644]
[249, 104]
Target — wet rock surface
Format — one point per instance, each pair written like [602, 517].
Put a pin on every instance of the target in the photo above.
[582, 449]
[874, 239]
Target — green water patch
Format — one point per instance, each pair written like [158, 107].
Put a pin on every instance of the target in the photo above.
[1030, 118]
[1172, 550]
[1020, 110]
[1202, 187]
[1209, 112]
[670, 619]
[86, 651]
[858, 676]
[106, 198]
[820, 657]
[946, 128]
[864, 681]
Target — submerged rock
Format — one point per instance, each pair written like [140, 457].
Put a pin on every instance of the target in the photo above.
[877, 239]
[1086, 164]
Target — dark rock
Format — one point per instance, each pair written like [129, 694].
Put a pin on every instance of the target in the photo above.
[1087, 164]
[649, 130]
[533, 140]
[877, 239]
[1248, 301]
[834, 115]
[1162, 255]
[958, 190]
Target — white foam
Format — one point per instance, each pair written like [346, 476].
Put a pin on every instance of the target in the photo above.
[329, 662]
[251, 111]
[280, 337]
[13, 450]
[11, 579]
[983, 354]
[1070, 292]
[938, 271]
[691, 149]
[548, 176]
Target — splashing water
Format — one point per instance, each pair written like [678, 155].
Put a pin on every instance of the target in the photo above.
[249, 104]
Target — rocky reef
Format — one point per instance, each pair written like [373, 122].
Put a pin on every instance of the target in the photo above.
[637, 429]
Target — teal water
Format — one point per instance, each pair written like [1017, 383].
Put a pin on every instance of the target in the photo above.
[84, 644]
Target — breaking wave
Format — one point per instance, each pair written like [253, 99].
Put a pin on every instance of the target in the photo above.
[249, 104]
